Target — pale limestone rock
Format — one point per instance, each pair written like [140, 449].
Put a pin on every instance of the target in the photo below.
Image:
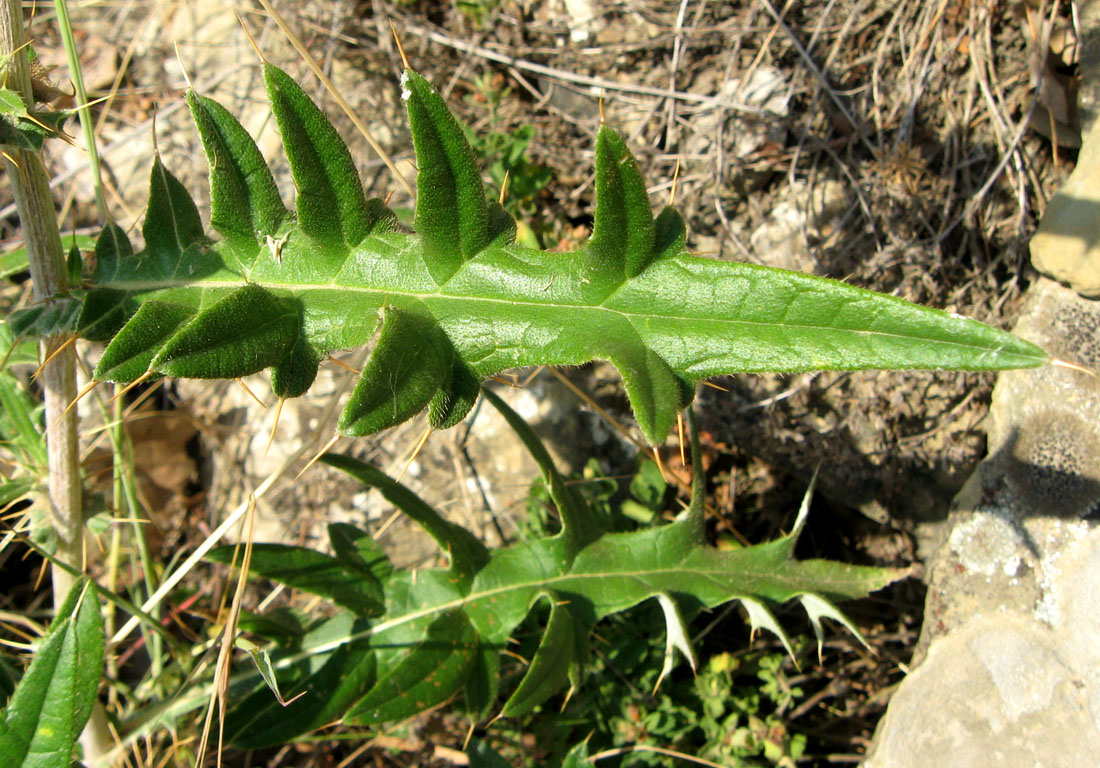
[1067, 243]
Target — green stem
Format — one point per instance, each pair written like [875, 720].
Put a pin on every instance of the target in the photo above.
[87, 124]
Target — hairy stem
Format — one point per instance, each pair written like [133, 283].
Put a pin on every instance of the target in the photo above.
[31, 190]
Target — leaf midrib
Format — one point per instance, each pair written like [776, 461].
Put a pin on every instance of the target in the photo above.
[428, 297]
[776, 579]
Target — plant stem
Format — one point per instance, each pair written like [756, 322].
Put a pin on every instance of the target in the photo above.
[31, 190]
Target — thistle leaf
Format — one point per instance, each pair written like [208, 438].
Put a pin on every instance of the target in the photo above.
[410, 363]
[443, 630]
[459, 302]
[313, 572]
[131, 351]
[547, 673]
[622, 243]
[423, 674]
[466, 552]
[246, 331]
[356, 549]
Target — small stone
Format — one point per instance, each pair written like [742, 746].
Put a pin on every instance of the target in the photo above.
[1067, 244]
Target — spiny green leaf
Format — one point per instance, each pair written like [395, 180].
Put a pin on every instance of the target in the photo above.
[576, 527]
[245, 206]
[461, 304]
[54, 699]
[452, 215]
[549, 668]
[58, 315]
[332, 208]
[406, 369]
[294, 374]
[131, 351]
[358, 550]
[622, 243]
[103, 314]
[454, 398]
[21, 128]
[466, 552]
[112, 251]
[443, 630]
[246, 331]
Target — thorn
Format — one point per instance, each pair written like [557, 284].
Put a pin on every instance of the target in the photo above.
[469, 735]
[532, 376]
[319, 454]
[400, 48]
[415, 452]
[183, 69]
[80, 396]
[41, 572]
[599, 104]
[251, 394]
[389, 194]
[680, 437]
[344, 365]
[385, 527]
[38, 371]
[516, 656]
[501, 380]
[568, 696]
[22, 171]
[275, 426]
[660, 679]
[504, 187]
[140, 379]
[675, 178]
[251, 40]
[1072, 367]
[712, 385]
[661, 466]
